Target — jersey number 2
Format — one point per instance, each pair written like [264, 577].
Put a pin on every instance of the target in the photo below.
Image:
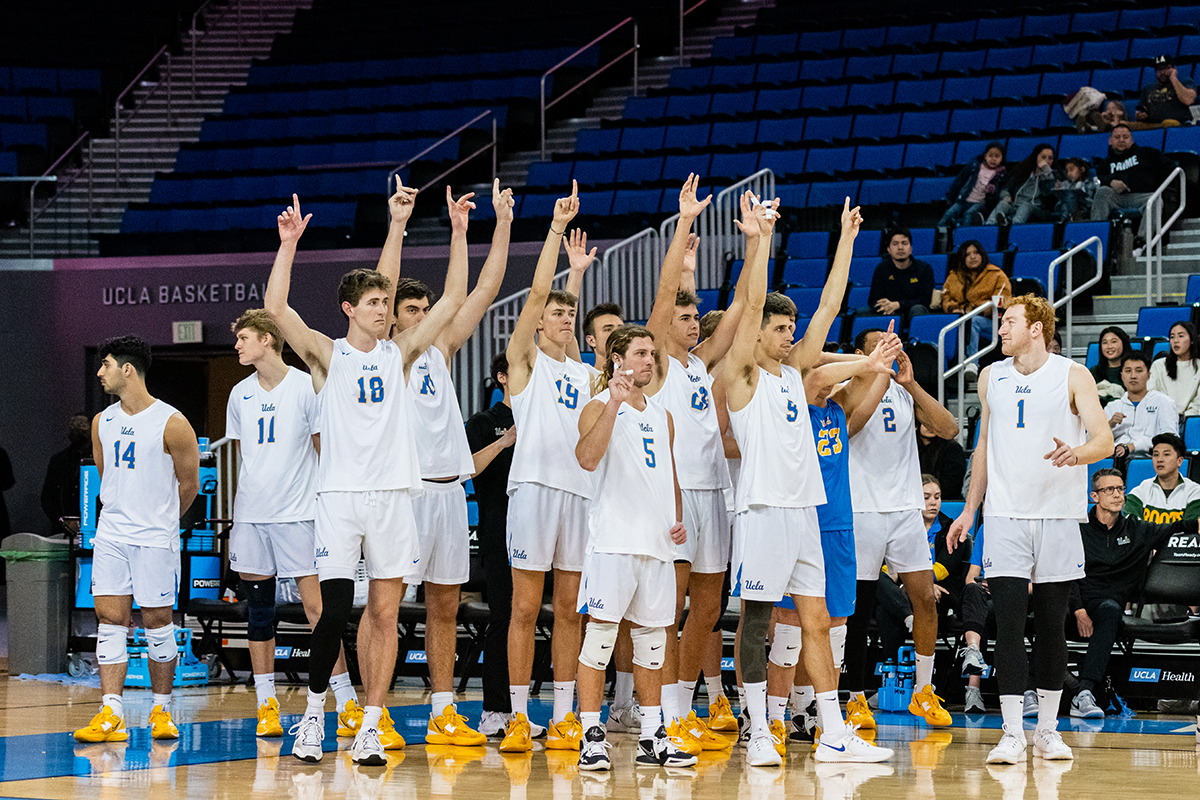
[376, 390]
[128, 458]
[889, 420]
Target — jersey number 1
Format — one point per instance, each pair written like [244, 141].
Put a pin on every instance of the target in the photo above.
[1021, 413]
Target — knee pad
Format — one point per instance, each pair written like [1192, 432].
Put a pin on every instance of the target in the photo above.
[785, 649]
[111, 644]
[837, 643]
[160, 643]
[261, 597]
[598, 643]
[649, 647]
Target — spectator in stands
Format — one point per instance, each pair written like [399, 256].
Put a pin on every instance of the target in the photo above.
[943, 459]
[901, 284]
[1028, 194]
[1168, 496]
[1117, 550]
[1073, 194]
[1141, 413]
[972, 281]
[1128, 175]
[1165, 102]
[1114, 344]
[977, 184]
[978, 617]
[1055, 346]
[1178, 374]
[60, 489]
[1114, 113]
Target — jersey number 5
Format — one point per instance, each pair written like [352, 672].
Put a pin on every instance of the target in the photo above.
[375, 388]
[792, 411]
[651, 461]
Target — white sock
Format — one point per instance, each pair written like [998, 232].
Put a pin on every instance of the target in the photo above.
[1012, 708]
[316, 704]
[924, 672]
[371, 717]
[343, 690]
[564, 699]
[802, 696]
[829, 714]
[264, 687]
[670, 703]
[715, 688]
[776, 706]
[685, 693]
[518, 696]
[756, 705]
[115, 702]
[741, 693]
[1048, 708]
[442, 701]
[651, 720]
[589, 719]
[623, 690]
[163, 700]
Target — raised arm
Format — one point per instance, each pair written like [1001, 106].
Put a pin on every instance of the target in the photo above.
[687, 281]
[928, 411]
[400, 208]
[714, 348]
[417, 339]
[179, 440]
[1086, 402]
[523, 343]
[839, 370]
[741, 368]
[579, 258]
[313, 347]
[805, 353]
[979, 477]
[491, 276]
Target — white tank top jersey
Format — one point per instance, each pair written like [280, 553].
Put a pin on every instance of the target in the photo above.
[366, 422]
[779, 459]
[1026, 413]
[139, 491]
[885, 470]
[546, 414]
[700, 456]
[442, 448]
[634, 507]
[277, 481]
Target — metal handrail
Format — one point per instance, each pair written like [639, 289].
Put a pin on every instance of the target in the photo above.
[489, 146]
[682, 15]
[1152, 213]
[1072, 292]
[628, 275]
[392, 172]
[33, 180]
[959, 326]
[634, 50]
[35, 215]
[117, 105]
[197, 35]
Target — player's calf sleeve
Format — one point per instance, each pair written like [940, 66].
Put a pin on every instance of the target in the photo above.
[260, 595]
[598, 643]
[337, 602]
[756, 619]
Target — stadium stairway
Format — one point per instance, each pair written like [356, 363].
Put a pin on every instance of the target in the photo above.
[1181, 258]
[148, 143]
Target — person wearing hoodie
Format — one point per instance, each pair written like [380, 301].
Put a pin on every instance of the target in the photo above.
[1029, 192]
[1128, 175]
[974, 280]
[974, 187]
[1141, 413]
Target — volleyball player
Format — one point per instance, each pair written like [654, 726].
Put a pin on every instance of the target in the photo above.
[445, 459]
[135, 556]
[634, 527]
[776, 539]
[273, 416]
[888, 527]
[368, 470]
[549, 492]
[1042, 424]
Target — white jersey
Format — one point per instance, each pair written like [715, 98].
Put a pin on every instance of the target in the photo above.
[277, 481]
[366, 422]
[779, 459]
[1026, 413]
[442, 448]
[139, 491]
[634, 507]
[546, 414]
[687, 394]
[885, 470]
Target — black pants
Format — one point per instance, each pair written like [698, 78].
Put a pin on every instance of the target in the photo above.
[978, 612]
[1106, 616]
[894, 607]
[1011, 597]
[493, 553]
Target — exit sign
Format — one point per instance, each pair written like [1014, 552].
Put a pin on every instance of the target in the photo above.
[187, 332]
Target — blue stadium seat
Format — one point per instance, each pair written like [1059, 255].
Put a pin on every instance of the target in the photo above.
[710, 299]
[687, 106]
[1094, 21]
[926, 327]
[938, 262]
[857, 296]
[792, 195]
[1022, 118]
[1093, 145]
[861, 324]
[806, 272]
[1178, 15]
[867, 242]
[51, 109]
[1157, 320]
[14, 109]
[802, 323]
[596, 204]
[733, 104]
[1138, 470]
[1050, 26]
[1193, 290]
[862, 269]
[819, 41]
[595, 173]
[1008, 58]
[636, 201]
[929, 154]
[1104, 52]
[1096, 466]
[735, 269]
[733, 134]
[834, 193]
[1144, 19]
[769, 44]
[8, 163]
[687, 137]
[828, 160]
[822, 69]
[1021, 146]
[807, 300]
[961, 32]
[922, 241]
[595, 141]
[1191, 433]
[1019, 87]
[827, 129]
[781, 131]
[974, 120]
[733, 75]
[734, 47]
[986, 235]
[1184, 139]
[864, 38]
[825, 97]
[1093, 355]
[647, 169]
[1032, 237]
[921, 92]
[876, 126]
[929, 190]
[783, 162]
[79, 80]
[1151, 138]
[1122, 81]
[915, 63]
[781, 72]
[924, 123]
[1146, 49]
[1061, 84]
[963, 61]
[690, 78]
[677, 168]
[23, 134]
[1055, 55]
[879, 158]
[871, 95]
[37, 79]
[779, 101]
[908, 34]
[968, 89]
[998, 29]
[1077, 232]
[868, 67]
[644, 108]
[811, 244]
[733, 166]
[1033, 265]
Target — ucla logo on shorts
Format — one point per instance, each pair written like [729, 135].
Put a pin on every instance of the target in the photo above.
[752, 586]
[594, 603]
[987, 563]
[322, 552]
[519, 554]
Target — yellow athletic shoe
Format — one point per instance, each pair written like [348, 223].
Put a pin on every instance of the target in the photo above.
[388, 736]
[104, 727]
[779, 732]
[350, 719]
[452, 728]
[928, 706]
[565, 734]
[720, 716]
[516, 735]
[268, 719]
[858, 714]
[161, 726]
[700, 732]
[682, 737]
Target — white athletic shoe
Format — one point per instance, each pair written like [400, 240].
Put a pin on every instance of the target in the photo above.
[743, 738]
[624, 720]
[309, 733]
[594, 753]
[492, 724]
[367, 750]
[761, 752]
[974, 701]
[1010, 750]
[1029, 706]
[1048, 744]
[1083, 705]
[850, 748]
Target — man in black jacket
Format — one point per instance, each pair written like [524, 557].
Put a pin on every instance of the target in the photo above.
[901, 284]
[1128, 175]
[60, 490]
[1117, 551]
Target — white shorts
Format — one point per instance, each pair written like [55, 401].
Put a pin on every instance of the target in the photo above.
[285, 549]
[777, 552]
[546, 528]
[149, 574]
[708, 538]
[375, 526]
[618, 586]
[1041, 550]
[895, 537]
[443, 533]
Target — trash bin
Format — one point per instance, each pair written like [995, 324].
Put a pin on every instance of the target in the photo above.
[39, 602]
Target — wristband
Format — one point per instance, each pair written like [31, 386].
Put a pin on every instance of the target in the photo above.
[556, 233]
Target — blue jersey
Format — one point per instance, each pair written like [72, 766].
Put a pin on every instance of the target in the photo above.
[832, 440]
